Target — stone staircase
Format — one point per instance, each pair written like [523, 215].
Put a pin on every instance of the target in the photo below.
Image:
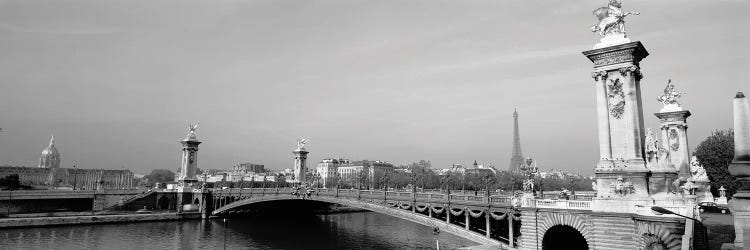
[132, 202]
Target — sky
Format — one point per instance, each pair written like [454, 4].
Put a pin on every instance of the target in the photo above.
[118, 82]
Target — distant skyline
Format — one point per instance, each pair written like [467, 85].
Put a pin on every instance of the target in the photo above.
[117, 82]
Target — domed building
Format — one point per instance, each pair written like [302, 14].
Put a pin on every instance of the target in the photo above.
[50, 156]
[49, 174]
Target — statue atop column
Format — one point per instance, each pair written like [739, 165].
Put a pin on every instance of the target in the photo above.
[669, 98]
[191, 132]
[301, 142]
[611, 24]
[611, 19]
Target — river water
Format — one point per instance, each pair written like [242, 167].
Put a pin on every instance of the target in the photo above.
[363, 230]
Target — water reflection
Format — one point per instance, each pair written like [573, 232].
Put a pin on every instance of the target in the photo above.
[367, 230]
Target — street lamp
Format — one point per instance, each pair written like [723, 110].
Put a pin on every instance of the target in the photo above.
[75, 176]
[667, 211]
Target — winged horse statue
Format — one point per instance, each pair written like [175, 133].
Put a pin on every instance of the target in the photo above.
[611, 19]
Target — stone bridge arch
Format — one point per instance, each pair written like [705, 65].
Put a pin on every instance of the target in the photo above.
[379, 207]
[655, 236]
[577, 222]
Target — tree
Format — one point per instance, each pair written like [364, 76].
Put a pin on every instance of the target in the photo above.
[715, 153]
[10, 182]
[159, 175]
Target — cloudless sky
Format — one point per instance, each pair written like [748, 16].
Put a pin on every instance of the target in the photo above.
[117, 82]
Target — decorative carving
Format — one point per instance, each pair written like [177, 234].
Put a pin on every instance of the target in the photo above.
[528, 185]
[697, 171]
[663, 156]
[689, 187]
[616, 98]
[599, 75]
[675, 186]
[654, 236]
[674, 140]
[516, 200]
[611, 19]
[631, 70]
[622, 187]
[670, 95]
[615, 57]
[651, 148]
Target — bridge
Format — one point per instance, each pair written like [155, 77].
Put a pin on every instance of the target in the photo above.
[531, 224]
[468, 216]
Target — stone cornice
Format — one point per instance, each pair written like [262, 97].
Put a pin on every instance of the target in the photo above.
[632, 52]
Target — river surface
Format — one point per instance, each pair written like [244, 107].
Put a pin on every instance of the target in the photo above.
[363, 230]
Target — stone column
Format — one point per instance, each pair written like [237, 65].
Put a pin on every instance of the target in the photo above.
[621, 130]
[605, 146]
[740, 169]
[300, 164]
[674, 138]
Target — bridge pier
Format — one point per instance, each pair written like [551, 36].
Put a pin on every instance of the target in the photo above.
[447, 210]
[466, 215]
[487, 223]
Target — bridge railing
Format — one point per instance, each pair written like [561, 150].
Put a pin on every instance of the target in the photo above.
[464, 198]
[561, 204]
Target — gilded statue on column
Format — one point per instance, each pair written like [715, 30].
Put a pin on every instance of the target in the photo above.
[611, 19]
[670, 95]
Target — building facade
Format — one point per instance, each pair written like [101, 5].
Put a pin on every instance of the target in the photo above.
[248, 168]
[366, 174]
[50, 174]
[327, 170]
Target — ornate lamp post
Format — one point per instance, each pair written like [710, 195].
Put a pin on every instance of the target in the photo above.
[75, 176]
[487, 182]
[529, 170]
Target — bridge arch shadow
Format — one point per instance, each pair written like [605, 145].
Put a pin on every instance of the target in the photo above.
[561, 223]
[382, 208]
[564, 237]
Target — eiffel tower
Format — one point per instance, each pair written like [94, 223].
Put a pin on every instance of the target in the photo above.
[517, 158]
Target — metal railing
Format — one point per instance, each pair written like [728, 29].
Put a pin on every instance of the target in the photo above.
[429, 197]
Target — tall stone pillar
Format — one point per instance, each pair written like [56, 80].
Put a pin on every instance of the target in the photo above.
[189, 165]
[740, 169]
[300, 161]
[617, 78]
[674, 138]
[672, 152]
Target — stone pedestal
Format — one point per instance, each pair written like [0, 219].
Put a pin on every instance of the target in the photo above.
[526, 199]
[703, 191]
[661, 184]
[674, 138]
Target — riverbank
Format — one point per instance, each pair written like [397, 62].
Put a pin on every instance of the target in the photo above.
[93, 219]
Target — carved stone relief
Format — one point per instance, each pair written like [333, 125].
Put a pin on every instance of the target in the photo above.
[616, 98]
